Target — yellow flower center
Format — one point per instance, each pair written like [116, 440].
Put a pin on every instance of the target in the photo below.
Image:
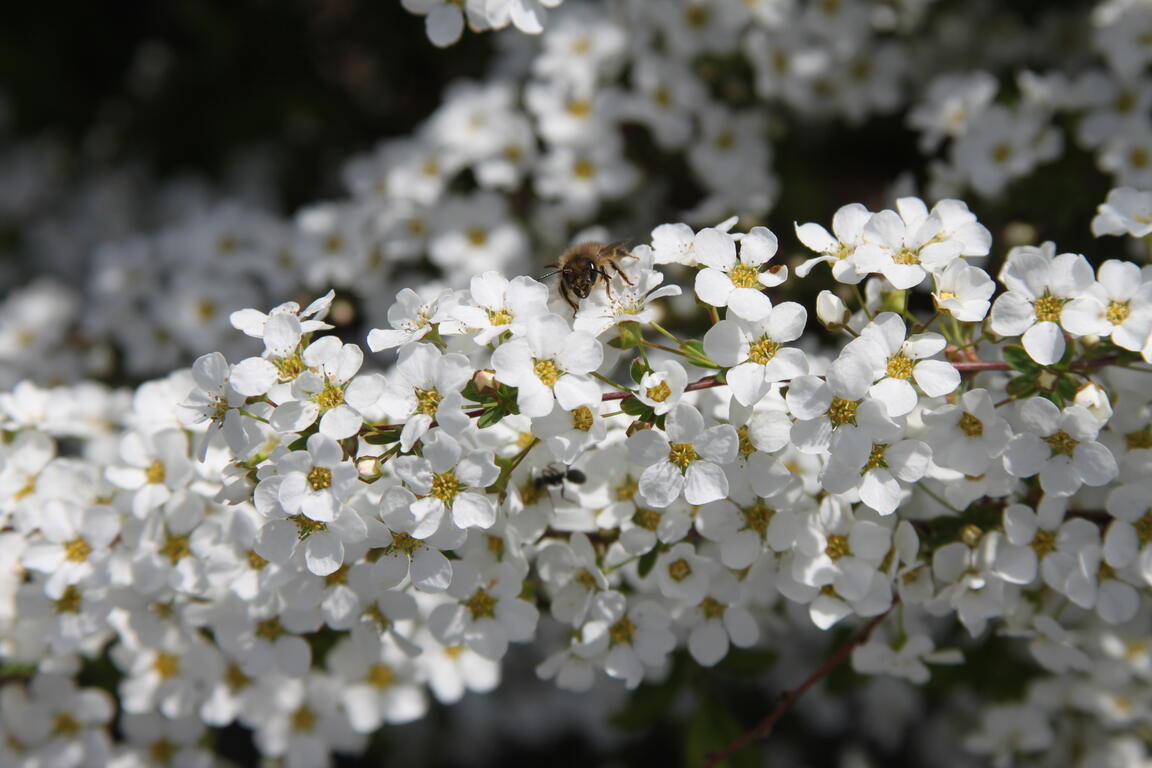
[1044, 542]
[69, 601]
[712, 608]
[303, 719]
[757, 517]
[427, 401]
[66, 725]
[622, 632]
[328, 398]
[1117, 312]
[235, 678]
[658, 393]
[647, 519]
[970, 425]
[481, 605]
[381, 676]
[682, 454]
[255, 562]
[166, 665]
[583, 168]
[306, 526]
[176, 548]
[546, 371]
[289, 367]
[582, 418]
[269, 629]
[403, 542]
[156, 472]
[744, 276]
[499, 316]
[841, 412]
[837, 546]
[899, 366]
[77, 550]
[680, 570]
[876, 459]
[745, 446]
[1062, 443]
[320, 478]
[445, 486]
[477, 236]
[1048, 308]
[1140, 439]
[162, 751]
[762, 350]
[906, 256]
[338, 576]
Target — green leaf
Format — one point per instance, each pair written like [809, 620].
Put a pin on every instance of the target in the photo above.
[383, 437]
[637, 370]
[693, 351]
[1066, 387]
[1017, 358]
[491, 416]
[711, 729]
[647, 562]
[1021, 386]
[634, 407]
[630, 335]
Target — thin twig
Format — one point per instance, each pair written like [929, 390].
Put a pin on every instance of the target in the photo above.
[789, 698]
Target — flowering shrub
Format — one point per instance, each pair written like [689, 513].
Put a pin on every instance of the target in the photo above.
[916, 446]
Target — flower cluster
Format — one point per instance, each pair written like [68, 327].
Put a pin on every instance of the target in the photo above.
[701, 447]
[518, 463]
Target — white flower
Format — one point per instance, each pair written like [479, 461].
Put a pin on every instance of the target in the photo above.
[444, 20]
[425, 386]
[1126, 211]
[449, 484]
[662, 387]
[253, 322]
[876, 464]
[488, 613]
[963, 291]
[631, 637]
[550, 361]
[74, 542]
[381, 685]
[967, 436]
[569, 433]
[907, 660]
[628, 302]
[500, 305]
[1118, 305]
[848, 225]
[329, 392]
[681, 574]
[1061, 447]
[689, 459]
[895, 358]
[1039, 284]
[316, 482]
[157, 464]
[754, 353]
[738, 285]
[411, 318]
[717, 621]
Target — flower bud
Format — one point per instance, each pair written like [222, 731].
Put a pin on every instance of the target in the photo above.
[1095, 399]
[369, 468]
[831, 311]
[485, 382]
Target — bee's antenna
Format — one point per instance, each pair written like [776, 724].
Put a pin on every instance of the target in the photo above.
[550, 274]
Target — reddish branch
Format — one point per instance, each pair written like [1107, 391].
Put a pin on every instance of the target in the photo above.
[789, 698]
[965, 366]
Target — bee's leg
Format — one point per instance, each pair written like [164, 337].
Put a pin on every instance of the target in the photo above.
[567, 297]
[620, 272]
[607, 281]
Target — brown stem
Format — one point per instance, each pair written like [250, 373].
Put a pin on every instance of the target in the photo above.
[789, 698]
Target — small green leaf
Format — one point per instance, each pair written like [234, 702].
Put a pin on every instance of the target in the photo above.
[1018, 359]
[382, 438]
[634, 407]
[1021, 386]
[491, 416]
[637, 370]
[647, 562]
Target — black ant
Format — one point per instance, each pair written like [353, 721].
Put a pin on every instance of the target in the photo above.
[554, 475]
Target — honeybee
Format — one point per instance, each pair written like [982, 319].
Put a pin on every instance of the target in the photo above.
[583, 265]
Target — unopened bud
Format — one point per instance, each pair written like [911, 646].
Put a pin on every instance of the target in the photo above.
[970, 534]
[485, 382]
[1095, 399]
[638, 426]
[369, 468]
[831, 311]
